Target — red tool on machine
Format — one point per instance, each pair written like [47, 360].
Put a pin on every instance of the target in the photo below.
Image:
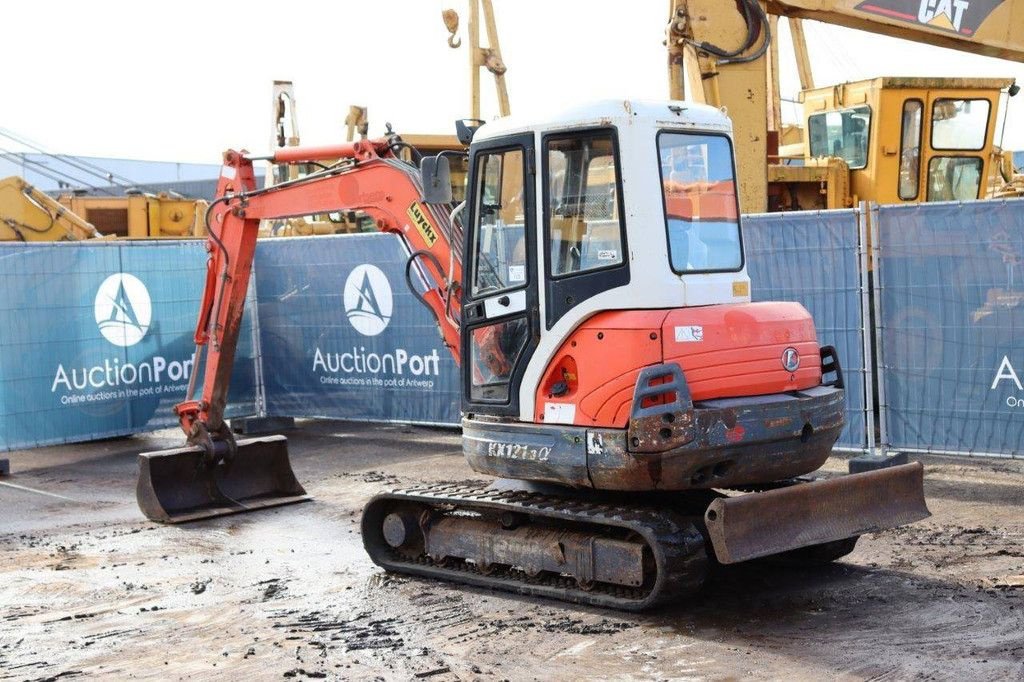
[644, 416]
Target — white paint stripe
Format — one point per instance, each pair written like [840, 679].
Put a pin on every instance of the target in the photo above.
[38, 492]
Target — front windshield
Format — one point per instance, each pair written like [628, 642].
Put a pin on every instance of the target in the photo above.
[843, 134]
[701, 211]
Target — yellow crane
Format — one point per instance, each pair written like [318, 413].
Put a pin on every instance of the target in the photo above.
[286, 128]
[488, 58]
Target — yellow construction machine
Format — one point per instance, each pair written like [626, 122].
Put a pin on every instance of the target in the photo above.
[30, 215]
[140, 215]
[890, 140]
[933, 139]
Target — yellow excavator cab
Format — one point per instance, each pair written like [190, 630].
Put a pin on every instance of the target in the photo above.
[908, 140]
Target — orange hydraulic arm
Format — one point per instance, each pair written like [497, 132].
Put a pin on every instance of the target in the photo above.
[365, 176]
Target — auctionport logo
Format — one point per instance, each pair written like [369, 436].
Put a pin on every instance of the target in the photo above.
[368, 300]
[369, 305]
[124, 313]
[123, 309]
[1007, 373]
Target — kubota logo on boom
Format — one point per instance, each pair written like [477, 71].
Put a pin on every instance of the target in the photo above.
[123, 309]
[368, 302]
[955, 16]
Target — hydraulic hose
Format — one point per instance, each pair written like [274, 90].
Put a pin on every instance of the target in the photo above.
[757, 23]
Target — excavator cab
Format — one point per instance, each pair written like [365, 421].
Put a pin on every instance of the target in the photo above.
[641, 414]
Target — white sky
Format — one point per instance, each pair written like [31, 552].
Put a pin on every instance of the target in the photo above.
[183, 81]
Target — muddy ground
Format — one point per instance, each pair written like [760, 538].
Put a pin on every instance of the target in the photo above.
[89, 588]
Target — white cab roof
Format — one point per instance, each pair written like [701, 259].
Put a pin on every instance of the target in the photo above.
[617, 112]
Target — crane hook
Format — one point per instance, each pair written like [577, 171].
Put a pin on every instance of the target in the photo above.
[451, 22]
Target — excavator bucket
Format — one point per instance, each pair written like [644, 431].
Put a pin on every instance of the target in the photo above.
[177, 485]
[765, 523]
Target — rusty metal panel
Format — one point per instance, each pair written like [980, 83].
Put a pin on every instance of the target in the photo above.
[531, 452]
[534, 549]
[737, 441]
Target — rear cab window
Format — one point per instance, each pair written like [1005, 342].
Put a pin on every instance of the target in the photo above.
[701, 205]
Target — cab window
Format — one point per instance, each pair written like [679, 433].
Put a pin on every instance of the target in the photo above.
[584, 225]
[499, 242]
[954, 178]
[910, 149]
[701, 208]
[843, 134]
[960, 123]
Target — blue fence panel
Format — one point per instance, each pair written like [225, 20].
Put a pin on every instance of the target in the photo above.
[951, 298]
[342, 337]
[812, 258]
[96, 339]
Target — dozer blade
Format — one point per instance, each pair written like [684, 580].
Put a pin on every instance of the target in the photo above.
[176, 485]
[761, 524]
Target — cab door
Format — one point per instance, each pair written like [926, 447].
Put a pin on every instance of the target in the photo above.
[500, 323]
[957, 146]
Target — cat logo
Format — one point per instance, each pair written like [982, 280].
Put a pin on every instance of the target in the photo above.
[955, 16]
[423, 226]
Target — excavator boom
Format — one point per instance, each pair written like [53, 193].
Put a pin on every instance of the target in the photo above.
[214, 474]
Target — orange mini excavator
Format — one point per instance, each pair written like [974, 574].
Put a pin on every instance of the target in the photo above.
[643, 416]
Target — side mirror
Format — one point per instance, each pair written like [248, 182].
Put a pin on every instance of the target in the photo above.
[437, 180]
[465, 129]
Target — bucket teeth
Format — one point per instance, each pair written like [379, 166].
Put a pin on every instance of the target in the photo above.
[177, 485]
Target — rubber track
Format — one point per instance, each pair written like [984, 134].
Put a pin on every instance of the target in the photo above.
[676, 544]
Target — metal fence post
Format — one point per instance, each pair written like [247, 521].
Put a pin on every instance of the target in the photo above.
[876, 262]
[257, 348]
[865, 325]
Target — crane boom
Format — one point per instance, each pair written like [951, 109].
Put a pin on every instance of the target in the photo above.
[994, 28]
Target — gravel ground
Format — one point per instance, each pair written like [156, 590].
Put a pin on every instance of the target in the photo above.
[90, 588]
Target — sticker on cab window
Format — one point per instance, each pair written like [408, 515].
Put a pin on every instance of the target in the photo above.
[607, 254]
[517, 273]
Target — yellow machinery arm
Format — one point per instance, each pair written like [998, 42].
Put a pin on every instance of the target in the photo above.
[990, 27]
[28, 215]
